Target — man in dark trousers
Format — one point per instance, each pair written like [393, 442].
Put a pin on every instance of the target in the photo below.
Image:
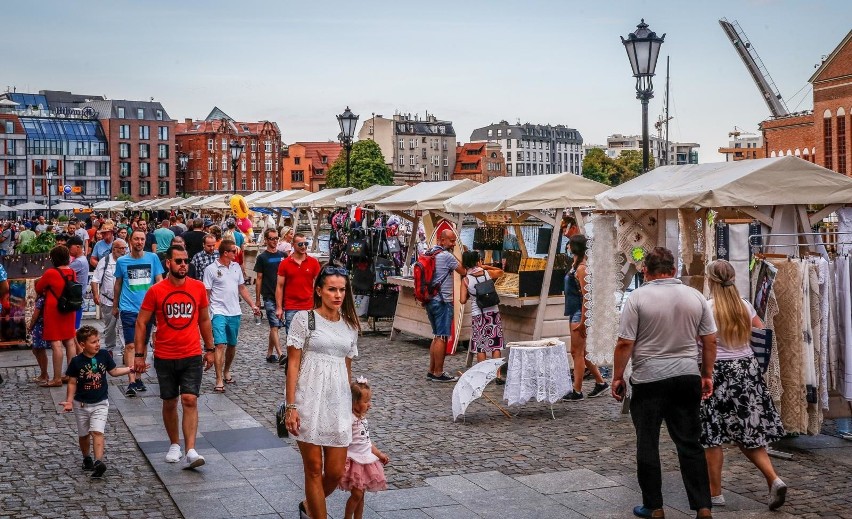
[659, 324]
[266, 268]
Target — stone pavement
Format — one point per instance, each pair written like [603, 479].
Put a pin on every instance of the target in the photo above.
[579, 465]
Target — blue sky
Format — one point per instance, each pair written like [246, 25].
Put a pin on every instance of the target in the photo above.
[473, 62]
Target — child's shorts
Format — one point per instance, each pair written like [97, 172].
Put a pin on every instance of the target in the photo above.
[91, 417]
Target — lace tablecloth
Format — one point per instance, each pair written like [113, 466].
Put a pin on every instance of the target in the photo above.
[537, 369]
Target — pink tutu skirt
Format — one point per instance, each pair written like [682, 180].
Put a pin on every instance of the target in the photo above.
[369, 477]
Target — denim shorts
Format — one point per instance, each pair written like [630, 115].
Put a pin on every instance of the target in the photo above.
[128, 327]
[271, 318]
[575, 317]
[440, 317]
[288, 318]
[225, 329]
[179, 376]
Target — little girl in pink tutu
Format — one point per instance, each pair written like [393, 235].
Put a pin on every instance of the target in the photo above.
[364, 469]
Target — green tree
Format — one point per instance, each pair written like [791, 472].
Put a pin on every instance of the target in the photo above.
[631, 162]
[367, 167]
[597, 166]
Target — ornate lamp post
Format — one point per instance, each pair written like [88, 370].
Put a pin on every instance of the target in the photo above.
[643, 48]
[347, 121]
[236, 152]
[183, 162]
[51, 170]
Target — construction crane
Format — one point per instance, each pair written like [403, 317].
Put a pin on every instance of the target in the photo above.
[737, 132]
[755, 67]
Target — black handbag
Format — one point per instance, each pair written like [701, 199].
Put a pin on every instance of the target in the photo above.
[394, 246]
[363, 278]
[356, 245]
[382, 303]
[383, 268]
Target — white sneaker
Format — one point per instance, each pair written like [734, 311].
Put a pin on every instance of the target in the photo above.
[718, 500]
[174, 454]
[193, 460]
[777, 494]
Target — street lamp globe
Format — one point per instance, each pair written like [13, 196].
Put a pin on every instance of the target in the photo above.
[347, 121]
[643, 49]
[236, 150]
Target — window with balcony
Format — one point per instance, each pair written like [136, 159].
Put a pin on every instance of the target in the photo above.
[144, 132]
[144, 151]
[123, 150]
[124, 131]
[102, 169]
[163, 151]
[78, 168]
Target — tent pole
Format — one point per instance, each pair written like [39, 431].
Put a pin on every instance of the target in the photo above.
[545, 284]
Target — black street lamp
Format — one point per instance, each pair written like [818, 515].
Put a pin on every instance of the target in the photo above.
[643, 48]
[183, 162]
[347, 121]
[236, 151]
[51, 170]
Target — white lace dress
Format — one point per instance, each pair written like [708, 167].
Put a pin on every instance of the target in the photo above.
[322, 390]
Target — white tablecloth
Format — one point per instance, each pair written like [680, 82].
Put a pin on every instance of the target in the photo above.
[537, 369]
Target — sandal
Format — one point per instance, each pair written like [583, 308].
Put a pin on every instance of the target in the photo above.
[40, 380]
[219, 389]
[65, 378]
[51, 384]
[230, 380]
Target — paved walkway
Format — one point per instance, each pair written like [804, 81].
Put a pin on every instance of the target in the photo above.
[579, 465]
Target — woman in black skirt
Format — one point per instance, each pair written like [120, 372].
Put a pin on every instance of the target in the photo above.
[740, 409]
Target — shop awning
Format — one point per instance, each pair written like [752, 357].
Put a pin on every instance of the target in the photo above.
[111, 205]
[280, 199]
[368, 196]
[746, 183]
[425, 196]
[206, 202]
[185, 202]
[324, 198]
[527, 194]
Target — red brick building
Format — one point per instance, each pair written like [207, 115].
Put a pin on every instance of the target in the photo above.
[207, 146]
[306, 164]
[822, 135]
[479, 161]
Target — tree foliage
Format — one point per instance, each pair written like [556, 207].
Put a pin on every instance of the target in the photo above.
[612, 172]
[367, 167]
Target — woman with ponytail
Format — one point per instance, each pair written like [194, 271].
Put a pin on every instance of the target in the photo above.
[740, 409]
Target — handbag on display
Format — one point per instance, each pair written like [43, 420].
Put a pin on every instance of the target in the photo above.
[382, 303]
[356, 247]
[383, 268]
[394, 246]
[761, 345]
[363, 278]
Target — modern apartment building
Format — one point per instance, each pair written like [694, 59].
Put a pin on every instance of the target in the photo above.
[679, 152]
[535, 149]
[47, 146]
[743, 147]
[207, 145]
[305, 164]
[415, 149]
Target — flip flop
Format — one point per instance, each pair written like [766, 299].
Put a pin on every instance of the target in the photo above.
[219, 389]
[230, 380]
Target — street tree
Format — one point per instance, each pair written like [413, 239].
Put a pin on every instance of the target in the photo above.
[367, 167]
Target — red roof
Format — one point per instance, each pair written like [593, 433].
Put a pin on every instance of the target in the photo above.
[239, 128]
[315, 151]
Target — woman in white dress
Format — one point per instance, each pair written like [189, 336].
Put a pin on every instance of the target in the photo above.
[320, 348]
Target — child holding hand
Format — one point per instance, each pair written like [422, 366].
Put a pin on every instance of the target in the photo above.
[87, 396]
[364, 469]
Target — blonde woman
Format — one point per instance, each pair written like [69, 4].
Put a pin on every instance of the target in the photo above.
[285, 244]
[740, 409]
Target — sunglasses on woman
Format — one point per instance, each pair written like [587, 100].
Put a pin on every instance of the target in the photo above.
[332, 271]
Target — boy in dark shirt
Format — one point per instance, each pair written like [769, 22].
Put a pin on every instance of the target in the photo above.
[87, 395]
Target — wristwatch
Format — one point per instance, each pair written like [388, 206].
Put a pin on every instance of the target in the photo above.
[139, 355]
[209, 350]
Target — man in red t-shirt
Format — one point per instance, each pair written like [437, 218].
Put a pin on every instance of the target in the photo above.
[295, 289]
[180, 306]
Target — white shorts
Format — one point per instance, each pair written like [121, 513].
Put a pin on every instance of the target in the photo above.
[91, 417]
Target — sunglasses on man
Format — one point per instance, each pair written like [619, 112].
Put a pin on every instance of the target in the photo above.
[301, 244]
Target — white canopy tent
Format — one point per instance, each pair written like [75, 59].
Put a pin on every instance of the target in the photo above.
[68, 206]
[144, 204]
[368, 196]
[315, 205]
[29, 206]
[6, 209]
[425, 196]
[206, 202]
[163, 204]
[531, 196]
[112, 205]
[185, 202]
[281, 199]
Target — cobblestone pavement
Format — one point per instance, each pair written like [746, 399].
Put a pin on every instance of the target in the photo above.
[40, 461]
[411, 421]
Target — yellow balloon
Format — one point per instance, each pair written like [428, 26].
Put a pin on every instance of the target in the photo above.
[239, 206]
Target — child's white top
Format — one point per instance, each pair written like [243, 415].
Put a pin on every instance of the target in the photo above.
[361, 448]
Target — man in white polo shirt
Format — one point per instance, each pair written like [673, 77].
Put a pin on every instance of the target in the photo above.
[225, 284]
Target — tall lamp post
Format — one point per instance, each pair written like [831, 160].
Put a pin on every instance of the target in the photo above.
[51, 170]
[643, 48]
[236, 151]
[347, 121]
[183, 162]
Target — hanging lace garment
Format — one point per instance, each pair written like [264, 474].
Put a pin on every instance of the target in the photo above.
[637, 234]
[834, 335]
[845, 316]
[690, 240]
[808, 372]
[772, 377]
[813, 298]
[825, 324]
[788, 332]
[708, 221]
[604, 279]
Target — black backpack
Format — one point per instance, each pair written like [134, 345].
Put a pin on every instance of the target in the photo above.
[71, 298]
[486, 294]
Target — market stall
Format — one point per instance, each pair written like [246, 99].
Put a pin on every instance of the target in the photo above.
[754, 213]
[315, 206]
[509, 200]
[422, 202]
[279, 202]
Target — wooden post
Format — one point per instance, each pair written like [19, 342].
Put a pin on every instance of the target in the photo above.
[545, 284]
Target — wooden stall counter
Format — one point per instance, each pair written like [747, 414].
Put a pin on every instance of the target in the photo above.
[518, 315]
